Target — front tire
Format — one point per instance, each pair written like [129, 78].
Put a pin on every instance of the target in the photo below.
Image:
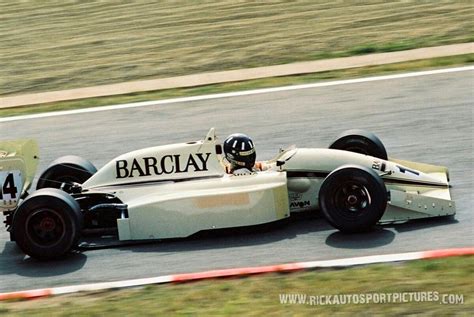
[360, 141]
[353, 198]
[47, 224]
[66, 169]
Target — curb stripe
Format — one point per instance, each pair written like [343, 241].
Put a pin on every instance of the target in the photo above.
[111, 285]
[364, 260]
[235, 272]
[447, 253]
[27, 294]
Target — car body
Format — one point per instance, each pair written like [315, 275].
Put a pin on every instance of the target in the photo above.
[18, 163]
[177, 190]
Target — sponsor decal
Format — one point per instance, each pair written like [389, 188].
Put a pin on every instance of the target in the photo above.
[379, 166]
[295, 196]
[296, 201]
[167, 164]
[300, 204]
[376, 165]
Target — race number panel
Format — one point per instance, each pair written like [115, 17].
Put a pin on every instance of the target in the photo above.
[10, 188]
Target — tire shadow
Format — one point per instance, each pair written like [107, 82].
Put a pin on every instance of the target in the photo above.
[377, 238]
[14, 261]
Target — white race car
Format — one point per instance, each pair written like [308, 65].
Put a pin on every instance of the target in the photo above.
[177, 190]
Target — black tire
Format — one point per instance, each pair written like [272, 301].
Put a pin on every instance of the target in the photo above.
[362, 142]
[67, 169]
[353, 198]
[47, 224]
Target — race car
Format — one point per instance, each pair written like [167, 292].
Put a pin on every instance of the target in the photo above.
[177, 190]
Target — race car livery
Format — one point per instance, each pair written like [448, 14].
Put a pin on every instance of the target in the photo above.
[177, 190]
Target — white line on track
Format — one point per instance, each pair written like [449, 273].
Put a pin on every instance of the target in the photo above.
[237, 94]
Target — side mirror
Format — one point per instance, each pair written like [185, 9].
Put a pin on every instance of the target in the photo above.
[280, 163]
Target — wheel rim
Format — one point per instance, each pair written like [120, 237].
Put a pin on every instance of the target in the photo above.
[45, 227]
[351, 199]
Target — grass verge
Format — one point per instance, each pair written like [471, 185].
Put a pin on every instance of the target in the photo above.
[57, 45]
[245, 85]
[446, 283]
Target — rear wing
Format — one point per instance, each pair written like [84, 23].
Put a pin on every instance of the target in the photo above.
[18, 163]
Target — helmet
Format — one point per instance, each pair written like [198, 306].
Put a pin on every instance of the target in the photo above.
[240, 151]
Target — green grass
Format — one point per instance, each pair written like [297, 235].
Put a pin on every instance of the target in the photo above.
[57, 45]
[260, 295]
[245, 85]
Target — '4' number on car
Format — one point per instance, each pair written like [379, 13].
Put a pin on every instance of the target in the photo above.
[10, 182]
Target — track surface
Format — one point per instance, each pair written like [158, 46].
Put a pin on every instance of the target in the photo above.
[427, 119]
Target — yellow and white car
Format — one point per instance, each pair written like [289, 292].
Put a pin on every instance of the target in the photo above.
[177, 190]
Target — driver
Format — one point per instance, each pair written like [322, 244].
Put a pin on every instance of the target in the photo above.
[240, 154]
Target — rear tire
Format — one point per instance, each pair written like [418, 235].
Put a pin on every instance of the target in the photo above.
[353, 198]
[67, 169]
[47, 224]
[360, 141]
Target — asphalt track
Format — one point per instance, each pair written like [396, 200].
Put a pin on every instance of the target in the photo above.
[427, 119]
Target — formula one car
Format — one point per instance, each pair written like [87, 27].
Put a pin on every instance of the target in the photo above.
[177, 190]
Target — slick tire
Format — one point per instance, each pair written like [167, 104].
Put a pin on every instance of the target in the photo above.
[360, 141]
[47, 224]
[353, 198]
[67, 169]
